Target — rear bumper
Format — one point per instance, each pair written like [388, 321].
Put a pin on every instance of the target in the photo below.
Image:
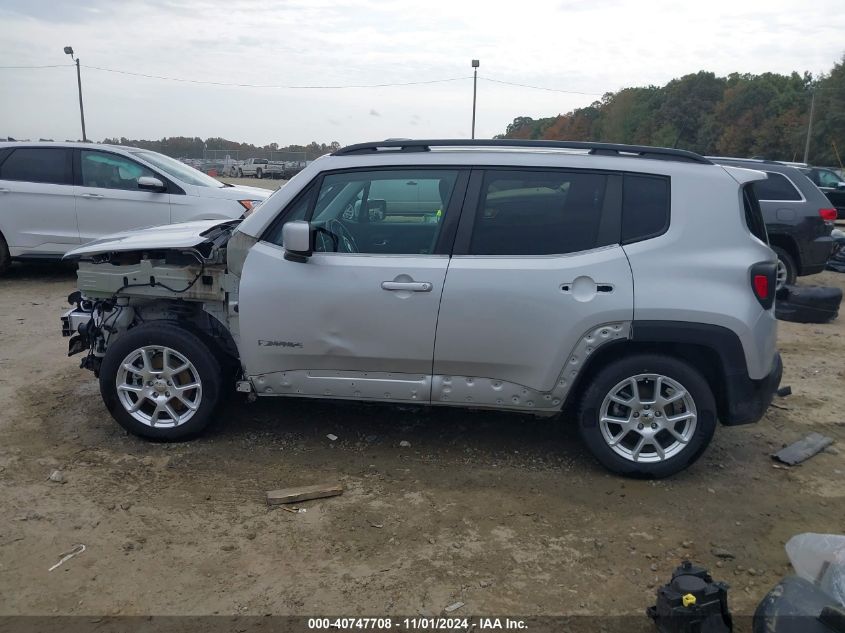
[814, 255]
[747, 400]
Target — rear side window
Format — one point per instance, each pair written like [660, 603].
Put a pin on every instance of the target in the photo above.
[38, 164]
[540, 213]
[776, 187]
[645, 207]
[753, 214]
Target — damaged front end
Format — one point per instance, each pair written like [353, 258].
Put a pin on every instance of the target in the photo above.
[174, 273]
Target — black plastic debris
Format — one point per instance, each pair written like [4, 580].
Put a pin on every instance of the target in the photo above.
[808, 304]
[692, 603]
[796, 605]
[784, 391]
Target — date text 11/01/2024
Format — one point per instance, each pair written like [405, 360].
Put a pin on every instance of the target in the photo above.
[417, 624]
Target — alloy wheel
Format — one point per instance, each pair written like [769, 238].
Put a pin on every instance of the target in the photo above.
[158, 386]
[648, 418]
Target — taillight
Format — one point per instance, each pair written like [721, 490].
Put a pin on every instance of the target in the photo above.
[828, 215]
[761, 287]
[763, 278]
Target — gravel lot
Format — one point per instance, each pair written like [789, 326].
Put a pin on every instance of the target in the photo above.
[503, 512]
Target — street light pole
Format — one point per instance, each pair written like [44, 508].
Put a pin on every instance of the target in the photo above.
[474, 87]
[809, 128]
[69, 51]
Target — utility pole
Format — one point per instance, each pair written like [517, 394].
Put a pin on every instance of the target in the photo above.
[809, 128]
[474, 90]
[69, 51]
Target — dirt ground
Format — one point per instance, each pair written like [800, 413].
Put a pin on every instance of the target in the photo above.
[503, 512]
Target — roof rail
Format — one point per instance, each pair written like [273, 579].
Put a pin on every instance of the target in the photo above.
[612, 149]
[755, 159]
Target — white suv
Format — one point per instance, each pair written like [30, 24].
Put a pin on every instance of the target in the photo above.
[630, 288]
[56, 196]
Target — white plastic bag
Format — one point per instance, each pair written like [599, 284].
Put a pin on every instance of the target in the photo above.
[820, 558]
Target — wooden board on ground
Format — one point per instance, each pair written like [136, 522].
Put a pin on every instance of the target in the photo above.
[303, 493]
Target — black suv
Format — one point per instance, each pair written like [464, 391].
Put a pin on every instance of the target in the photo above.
[798, 217]
[831, 184]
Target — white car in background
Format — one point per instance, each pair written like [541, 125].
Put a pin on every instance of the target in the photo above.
[56, 196]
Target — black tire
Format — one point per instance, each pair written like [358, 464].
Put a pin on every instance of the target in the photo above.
[259, 174]
[608, 377]
[240, 173]
[5, 258]
[184, 342]
[789, 265]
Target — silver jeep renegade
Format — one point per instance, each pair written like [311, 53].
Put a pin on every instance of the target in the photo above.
[629, 287]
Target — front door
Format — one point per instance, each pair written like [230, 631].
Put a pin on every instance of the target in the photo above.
[537, 282]
[108, 199]
[357, 319]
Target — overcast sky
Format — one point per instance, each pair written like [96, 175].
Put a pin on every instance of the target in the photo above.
[577, 45]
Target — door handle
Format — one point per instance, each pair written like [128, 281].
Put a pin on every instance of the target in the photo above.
[413, 286]
[93, 195]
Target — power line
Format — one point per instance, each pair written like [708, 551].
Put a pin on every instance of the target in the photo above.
[571, 92]
[27, 67]
[298, 87]
[287, 87]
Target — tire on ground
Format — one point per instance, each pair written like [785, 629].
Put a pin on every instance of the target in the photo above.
[184, 342]
[608, 377]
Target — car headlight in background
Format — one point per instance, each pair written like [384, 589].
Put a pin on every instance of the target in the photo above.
[249, 205]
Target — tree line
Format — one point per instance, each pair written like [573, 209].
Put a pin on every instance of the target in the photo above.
[195, 147]
[743, 115]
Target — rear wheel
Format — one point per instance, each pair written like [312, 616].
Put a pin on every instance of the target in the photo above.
[787, 271]
[5, 258]
[647, 416]
[259, 174]
[240, 173]
[160, 381]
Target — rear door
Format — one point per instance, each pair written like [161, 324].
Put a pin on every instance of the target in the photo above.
[37, 206]
[537, 273]
[108, 199]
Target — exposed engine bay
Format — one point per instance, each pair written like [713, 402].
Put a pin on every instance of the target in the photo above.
[122, 288]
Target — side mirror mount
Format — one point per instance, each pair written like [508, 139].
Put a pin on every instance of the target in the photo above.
[148, 183]
[297, 240]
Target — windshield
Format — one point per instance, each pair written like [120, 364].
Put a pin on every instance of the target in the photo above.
[178, 170]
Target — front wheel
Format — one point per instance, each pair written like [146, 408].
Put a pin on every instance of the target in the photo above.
[160, 381]
[647, 416]
[259, 174]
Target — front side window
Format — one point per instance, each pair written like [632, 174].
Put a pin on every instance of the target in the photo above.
[828, 179]
[111, 171]
[776, 187]
[539, 213]
[382, 212]
[38, 164]
[178, 170]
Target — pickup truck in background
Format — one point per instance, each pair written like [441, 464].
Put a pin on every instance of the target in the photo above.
[260, 168]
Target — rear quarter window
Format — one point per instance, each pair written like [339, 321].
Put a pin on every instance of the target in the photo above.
[776, 187]
[645, 207]
[753, 214]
